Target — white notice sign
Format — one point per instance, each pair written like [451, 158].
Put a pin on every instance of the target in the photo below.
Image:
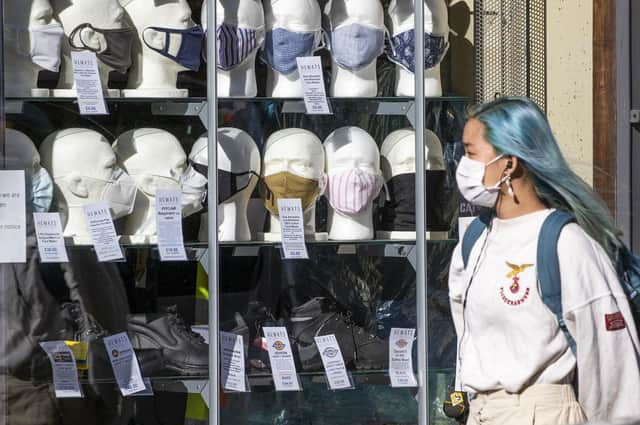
[65, 372]
[13, 210]
[88, 84]
[333, 362]
[292, 229]
[124, 363]
[50, 239]
[400, 362]
[283, 367]
[315, 96]
[233, 370]
[169, 225]
[103, 233]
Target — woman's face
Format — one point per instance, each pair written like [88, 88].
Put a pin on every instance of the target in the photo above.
[478, 148]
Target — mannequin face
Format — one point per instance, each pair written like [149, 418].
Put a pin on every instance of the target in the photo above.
[294, 15]
[402, 16]
[398, 153]
[20, 152]
[352, 147]
[237, 152]
[356, 11]
[296, 151]
[174, 14]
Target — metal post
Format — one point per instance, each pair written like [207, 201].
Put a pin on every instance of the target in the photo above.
[212, 118]
[421, 286]
[623, 130]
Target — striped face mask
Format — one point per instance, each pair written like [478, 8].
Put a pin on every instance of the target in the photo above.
[235, 44]
[352, 191]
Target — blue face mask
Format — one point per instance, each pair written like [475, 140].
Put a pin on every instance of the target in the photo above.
[355, 46]
[42, 190]
[282, 47]
[235, 44]
[401, 50]
[190, 45]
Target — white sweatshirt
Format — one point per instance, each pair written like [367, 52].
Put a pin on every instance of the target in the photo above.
[508, 339]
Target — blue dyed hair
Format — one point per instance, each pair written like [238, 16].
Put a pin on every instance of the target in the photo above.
[515, 126]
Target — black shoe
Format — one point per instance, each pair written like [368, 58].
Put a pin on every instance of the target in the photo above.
[184, 352]
[372, 352]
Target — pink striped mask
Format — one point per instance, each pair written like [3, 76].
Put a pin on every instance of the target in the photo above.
[353, 190]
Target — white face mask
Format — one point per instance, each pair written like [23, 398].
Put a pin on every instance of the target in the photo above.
[470, 176]
[46, 42]
[120, 193]
[194, 191]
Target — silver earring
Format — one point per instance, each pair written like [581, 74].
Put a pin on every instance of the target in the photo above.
[509, 186]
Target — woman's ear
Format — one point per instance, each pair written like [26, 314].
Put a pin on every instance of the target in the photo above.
[512, 166]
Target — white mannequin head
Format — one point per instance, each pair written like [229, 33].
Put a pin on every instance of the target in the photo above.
[19, 152]
[398, 153]
[237, 153]
[152, 71]
[436, 22]
[298, 152]
[104, 14]
[345, 149]
[239, 81]
[295, 16]
[21, 73]
[369, 13]
[156, 160]
[75, 157]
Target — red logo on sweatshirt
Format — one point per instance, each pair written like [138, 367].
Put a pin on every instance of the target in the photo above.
[614, 321]
[514, 296]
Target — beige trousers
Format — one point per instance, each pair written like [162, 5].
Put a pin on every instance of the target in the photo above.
[542, 404]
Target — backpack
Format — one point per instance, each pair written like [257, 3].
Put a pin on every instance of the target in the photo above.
[548, 268]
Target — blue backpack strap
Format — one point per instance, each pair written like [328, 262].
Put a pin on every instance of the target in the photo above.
[472, 234]
[549, 267]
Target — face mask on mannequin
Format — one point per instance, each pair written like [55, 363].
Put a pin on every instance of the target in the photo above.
[235, 44]
[46, 43]
[117, 53]
[42, 190]
[355, 46]
[194, 191]
[470, 177]
[401, 50]
[352, 191]
[282, 47]
[188, 54]
[286, 185]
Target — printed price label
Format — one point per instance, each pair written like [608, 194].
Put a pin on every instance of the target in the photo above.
[50, 240]
[292, 229]
[315, 96]
[333, 362]
[13, 210]
[400, 361]
[233, 368]
[88, 84]
[283, 368]
[124, 363]
[63, 365]
[102, 231]
[169, 225]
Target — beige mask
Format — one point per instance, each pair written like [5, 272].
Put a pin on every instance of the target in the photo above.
[287, 185]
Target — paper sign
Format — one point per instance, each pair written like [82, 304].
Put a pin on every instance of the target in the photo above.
[65, 373]
[169, 225]
[283, 367]
[315, 97]
[13, 210]
[50, 240]
[87, 82]
[124, 363]
[333, 362]
[292, 229]
[233, 369]
[103, 233]
[400, 362]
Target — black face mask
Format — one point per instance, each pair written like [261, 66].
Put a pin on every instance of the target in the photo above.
[117, 55]
[228, 183]
[399, 212]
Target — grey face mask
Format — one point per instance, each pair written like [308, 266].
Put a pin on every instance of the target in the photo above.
[355, 46]
[117, 54]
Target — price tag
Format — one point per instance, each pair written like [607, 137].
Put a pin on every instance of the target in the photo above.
[333, 362]
[283, 367]
[65, 372]
[124, 363]
[50, 240]
[400, 362]
[88, 84]
[292, 229]
[103, 233]
[233, 368]
[169, 225]
[315, 96]
[13, 211]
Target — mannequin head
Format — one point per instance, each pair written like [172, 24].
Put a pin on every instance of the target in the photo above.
[237, 154]
[22, 18]
[351, 19]
[80, 182]
[298, 18]
[155, 159]
[238, 79]
[104, 15]
[398, 153]
[152, 70]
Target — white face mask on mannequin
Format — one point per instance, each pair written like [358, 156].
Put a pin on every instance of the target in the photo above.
[470, 177]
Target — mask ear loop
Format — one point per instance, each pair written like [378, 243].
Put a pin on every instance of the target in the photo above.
[388, 39]
[322, 42]
[78, 31]
[323, 183]
[167, 40]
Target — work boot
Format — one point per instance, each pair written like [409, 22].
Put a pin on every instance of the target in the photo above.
[184, 352]
[372, 352]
